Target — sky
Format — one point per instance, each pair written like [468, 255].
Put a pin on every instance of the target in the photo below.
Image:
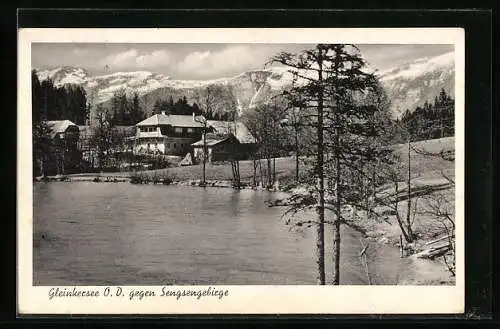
[201, 61]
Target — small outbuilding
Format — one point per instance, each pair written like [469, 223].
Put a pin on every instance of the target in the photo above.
[219, 148]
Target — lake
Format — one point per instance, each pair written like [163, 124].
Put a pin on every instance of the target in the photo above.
[88, 233]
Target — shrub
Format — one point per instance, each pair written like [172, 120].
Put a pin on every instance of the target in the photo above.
[155, 178]
[136, 178]
[167, 178]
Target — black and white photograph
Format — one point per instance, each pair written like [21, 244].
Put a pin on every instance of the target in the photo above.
[237, 164]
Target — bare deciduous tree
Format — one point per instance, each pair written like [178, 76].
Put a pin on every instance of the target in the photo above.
[212, 101]
[264, 122]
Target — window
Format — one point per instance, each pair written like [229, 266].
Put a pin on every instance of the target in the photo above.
[168, 145]
[174, 146]
[178, 130]
[190, 130]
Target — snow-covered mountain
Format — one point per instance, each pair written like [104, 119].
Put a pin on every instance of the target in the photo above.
[411, 84]
[407, 85]
[248, 87]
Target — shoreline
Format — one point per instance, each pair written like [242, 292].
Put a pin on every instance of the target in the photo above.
[218, 183]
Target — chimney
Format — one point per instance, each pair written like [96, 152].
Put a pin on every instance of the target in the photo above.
[193, 116]
[162, 112]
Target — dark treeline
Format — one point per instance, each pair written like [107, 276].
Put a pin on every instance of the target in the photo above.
[179, 107]
[182, 107]
[58, 103]
[432, 120]
[125, 110]
[49, 102]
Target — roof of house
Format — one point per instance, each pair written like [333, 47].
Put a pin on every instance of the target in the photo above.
[170, 119]
[237, 128]
[211, 141]
[59, 126]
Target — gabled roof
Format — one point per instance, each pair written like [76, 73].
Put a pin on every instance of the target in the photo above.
[237, 128]
[59, 126]
[211, 141]
[170, 119]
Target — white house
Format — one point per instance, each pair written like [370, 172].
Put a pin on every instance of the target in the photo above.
[168, 134]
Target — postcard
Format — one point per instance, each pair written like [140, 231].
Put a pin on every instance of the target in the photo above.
[241, 171]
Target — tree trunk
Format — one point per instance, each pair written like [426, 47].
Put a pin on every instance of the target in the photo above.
[233, 170]
[42, 166]
[254, 181]
[274, 170]
[408, 210]
[398, 217]
[235, 166]
[336, 237]
[261, 174]
[63, 160]
[238, 173]
[296, 154]
[320, 208]
[373, 192]
[269, 171]
[204, 155]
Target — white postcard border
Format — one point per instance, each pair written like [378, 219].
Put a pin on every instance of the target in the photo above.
[241, 299]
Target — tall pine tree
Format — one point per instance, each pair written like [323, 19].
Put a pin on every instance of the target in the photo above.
[332, 79]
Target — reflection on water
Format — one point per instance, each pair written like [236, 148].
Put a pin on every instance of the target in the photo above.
[118, 234]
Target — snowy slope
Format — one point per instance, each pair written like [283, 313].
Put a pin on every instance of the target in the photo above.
[412, 84]
[65, 75]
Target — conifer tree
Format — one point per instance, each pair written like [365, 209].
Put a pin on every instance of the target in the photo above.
[331, 78]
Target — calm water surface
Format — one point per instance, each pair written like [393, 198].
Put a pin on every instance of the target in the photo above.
[119, 234]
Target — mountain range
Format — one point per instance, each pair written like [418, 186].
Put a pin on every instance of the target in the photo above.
[407, 85]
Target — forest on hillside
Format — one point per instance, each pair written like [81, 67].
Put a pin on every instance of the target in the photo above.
[432, 120]
[71, 102]
[49, 102]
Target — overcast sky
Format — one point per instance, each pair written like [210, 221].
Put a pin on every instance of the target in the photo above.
[200, 61]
